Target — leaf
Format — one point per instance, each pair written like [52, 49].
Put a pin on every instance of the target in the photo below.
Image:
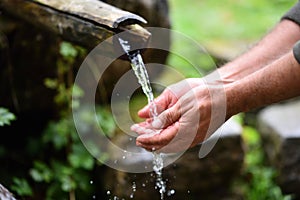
[51, 83]
[67, 183]
[106, 121]
[21, 187]
[6, 117]
[251, 135]
[41, 172]
[77, 91]
[67, 50]
[80, 157]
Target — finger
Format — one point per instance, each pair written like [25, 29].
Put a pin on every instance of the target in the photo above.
[142, 129]
[144, 112]
[145, 124]
[162, 102]
[148, 148]
[160, 147]
[178, 144]
[167, 117]
[158, 140]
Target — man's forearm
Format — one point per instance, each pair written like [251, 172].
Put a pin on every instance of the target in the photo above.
[278, 81]
[275, 44]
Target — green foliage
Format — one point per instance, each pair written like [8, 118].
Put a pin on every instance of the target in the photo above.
[61, 178]
[64, 166]
[227, 20]
[63, 83]
[107, 124]
[6, 117]
[80, 158]
[69, 170]
[70, 166]
[21, 187]
[262, 185]
[68, 51]
[225, 25]
[41, 172]
[260, 179]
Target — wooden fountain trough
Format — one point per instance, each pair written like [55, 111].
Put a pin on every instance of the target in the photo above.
[85, 22]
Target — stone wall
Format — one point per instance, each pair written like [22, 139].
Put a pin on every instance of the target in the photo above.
[280, 128]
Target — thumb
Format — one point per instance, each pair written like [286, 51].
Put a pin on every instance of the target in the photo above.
[167, 117]
[162, 102]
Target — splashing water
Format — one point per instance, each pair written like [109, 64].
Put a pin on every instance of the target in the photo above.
[141, 73]
[157, 167]
[133, 190]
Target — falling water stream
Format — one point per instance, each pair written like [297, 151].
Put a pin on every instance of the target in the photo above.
[140, 71]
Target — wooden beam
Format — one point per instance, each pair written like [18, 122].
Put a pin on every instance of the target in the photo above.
[94, 10]
[85, 22]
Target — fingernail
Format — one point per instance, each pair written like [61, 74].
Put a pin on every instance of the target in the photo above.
[157, 123]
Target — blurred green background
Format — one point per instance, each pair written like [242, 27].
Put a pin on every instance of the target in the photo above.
[224, 28]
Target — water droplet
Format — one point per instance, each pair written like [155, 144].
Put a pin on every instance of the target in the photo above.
[131, 196]
[171, 192]
[133, 186]
[188, 191]
[116, 198]
[91, 182]
[108, 192]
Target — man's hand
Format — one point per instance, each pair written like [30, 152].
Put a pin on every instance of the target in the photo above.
[171, 95]
[181, 108]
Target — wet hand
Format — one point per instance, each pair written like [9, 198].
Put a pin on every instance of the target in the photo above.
[171, 95]
[183, 122]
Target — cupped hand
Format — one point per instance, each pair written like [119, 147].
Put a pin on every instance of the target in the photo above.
[184, 119]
